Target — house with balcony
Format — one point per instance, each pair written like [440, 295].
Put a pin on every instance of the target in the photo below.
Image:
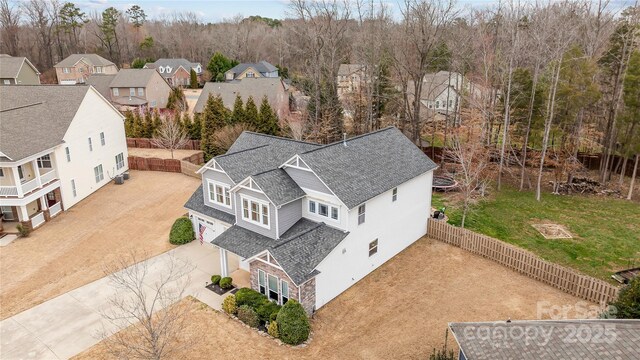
[76, 68]
[177, 72]
[53, 156]
[305, 221]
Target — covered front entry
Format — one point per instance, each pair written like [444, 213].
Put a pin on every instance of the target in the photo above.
[234, 266]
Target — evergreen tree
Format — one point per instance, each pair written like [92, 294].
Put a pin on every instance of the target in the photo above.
[251, 117]
[155, 125]
[129, 124]
[218, 65]
[138, 129]
[214, 117]
[237, 115]
[268, 123]
[193, 79]
[147, 131]
[177, 100]
[195, 126]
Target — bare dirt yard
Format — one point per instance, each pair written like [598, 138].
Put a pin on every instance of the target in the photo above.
[399, 311]
[72, 249]
[161, 153]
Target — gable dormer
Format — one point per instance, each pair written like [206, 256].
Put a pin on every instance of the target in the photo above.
[254, 210]
[217, 186]
[302, 174]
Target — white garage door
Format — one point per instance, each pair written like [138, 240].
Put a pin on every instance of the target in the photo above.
[67, 82]
[206, 230]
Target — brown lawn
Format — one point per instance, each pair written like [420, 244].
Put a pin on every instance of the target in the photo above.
[71, 250]
[161, 153]
[400, 311]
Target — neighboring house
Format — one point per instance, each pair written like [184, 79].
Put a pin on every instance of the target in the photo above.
[58, 144]
[603, 339]
[308, 221]
[251, 70]
[18, 71]
[442, 91]
[139, 88]
[273, 88]
[177, 72]
[351, 78]
[102, 83]
[76, 68]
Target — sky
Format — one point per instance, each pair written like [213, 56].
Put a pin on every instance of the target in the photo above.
[217, 10]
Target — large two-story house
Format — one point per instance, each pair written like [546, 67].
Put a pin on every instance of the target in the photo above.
[308, 221]
[76, 68]
[261, 69]
[137, 88]
[177, 72]
[53, 156]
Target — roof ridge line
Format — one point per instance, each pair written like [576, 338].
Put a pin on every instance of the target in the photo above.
[241, 151]
[282, 138]
[23, 106]
[286, 241]
[353, 138]
[262, 172]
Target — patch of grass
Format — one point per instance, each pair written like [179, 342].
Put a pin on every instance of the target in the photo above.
[606, 231]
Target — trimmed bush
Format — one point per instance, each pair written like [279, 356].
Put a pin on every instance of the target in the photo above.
[181, 231]
[248, 316]
[215, 279]
[267, 310]
[293, 324]
[226, 283]
[229, 305]
[23, 230]
[249, 297]
[273, 329]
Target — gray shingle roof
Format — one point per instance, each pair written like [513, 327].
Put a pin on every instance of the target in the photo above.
[196, 203]
[369, 165]
[32, 118]
[298, 251]
[254, 153]
[102, 83]
[10, 66]
[257, 88]
[262, 67]
[93, 59]
[566, 339]
[278, 186]
[133, 78]
[174, 64]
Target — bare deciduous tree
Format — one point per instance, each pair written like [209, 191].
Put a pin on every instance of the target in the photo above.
[170, 135]
[142, 304]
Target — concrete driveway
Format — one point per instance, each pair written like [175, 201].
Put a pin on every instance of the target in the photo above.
[71, 323]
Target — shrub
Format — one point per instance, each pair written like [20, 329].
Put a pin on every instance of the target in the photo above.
[267, 310]
[248, 316]
[293, 324]
[181, 231]
[627, 305]
[225, 283]
[229, 305]
[249, 297]
[273, 329]
[23, 230]
[215, 279]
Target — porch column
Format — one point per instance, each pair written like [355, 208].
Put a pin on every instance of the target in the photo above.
[223, 263]
[43, 203]
[16, 181]
[36, 172]
[24, 215]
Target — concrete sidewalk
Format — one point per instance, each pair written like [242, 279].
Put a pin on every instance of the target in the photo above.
[71, 323]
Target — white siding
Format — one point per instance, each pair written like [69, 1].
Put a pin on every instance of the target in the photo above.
[94, 116]
[326, 199]
[396, 225]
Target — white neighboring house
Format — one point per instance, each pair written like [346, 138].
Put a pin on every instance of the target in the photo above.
[442, 92]
[308, 221]
[58, 144]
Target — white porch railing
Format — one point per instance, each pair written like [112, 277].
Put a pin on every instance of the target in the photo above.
[29, 186]
[55, 209]
[37, 220]
[8, 191]
[48, 176]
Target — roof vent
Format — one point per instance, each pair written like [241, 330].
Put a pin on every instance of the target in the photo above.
[344, 139]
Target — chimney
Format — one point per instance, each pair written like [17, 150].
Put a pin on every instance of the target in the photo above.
[344, 139]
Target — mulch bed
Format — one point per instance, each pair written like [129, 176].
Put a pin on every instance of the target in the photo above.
[220, 291]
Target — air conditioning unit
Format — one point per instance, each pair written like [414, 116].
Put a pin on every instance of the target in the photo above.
[119, 179]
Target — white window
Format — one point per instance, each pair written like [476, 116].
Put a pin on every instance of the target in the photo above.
[323, 210]
[99, 69]
[273, 287]
[373, 247]
[44, 162]
[116, 92]
[102, 141]
[1, 173]
[97, 171]
[161, 69]
[262, 282]
[90, 145]
[219, 193]
[119, 161]
[450, 103]
[255, 212]
[20, 173]
[169, 69]
[140, 91]
[250, 74]
[394, 194]
[437, 104]
[312, 206]
[73, 188]
[132, 91]
[334, 213]
[361, 211]
[7, 82]
[284, 291]
[66, 70]
[68, 153]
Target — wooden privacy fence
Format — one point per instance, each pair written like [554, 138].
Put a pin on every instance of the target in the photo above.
[524, 262]
[148, 144]
[154, 164]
